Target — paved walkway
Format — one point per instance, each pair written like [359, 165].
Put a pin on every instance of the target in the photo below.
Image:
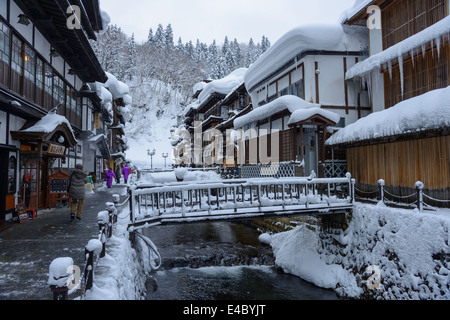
[27, 249]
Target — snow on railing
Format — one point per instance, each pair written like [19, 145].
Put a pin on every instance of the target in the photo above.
[183, 201]
[417, 199]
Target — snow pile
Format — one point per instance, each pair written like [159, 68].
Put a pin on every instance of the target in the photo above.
[436, 33]
[59, 272]
[171, 176]
[224, 85]
[355, 9]
[410, 248]
[296, 252]
[117, 88]
[199, 86]
[426, 112]
[304, 114]
[119, 275]
[333, 37]
[288, 102]
[49, 123]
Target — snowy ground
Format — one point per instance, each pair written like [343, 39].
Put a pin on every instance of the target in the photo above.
[408, 249]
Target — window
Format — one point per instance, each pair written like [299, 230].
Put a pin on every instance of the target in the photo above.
[29, 73]
[30, 60]
[58, 91]
[40, 81]
[4, 42]
[17, 60]
[16, 65]
[296, 89]
[48, 87]
[4, 53]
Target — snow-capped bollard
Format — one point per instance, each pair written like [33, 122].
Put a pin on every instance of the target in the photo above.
[59, 277]
[112, 212]
[102, 220]
[180, 173]
[93, 247]
[419, 188]
[116, 199]
[381, 185]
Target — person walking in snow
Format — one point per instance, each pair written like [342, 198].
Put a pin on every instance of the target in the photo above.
[126, 173]
[78, 180]
[109, 177]
[118, 174]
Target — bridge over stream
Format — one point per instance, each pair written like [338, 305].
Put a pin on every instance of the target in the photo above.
[238, 199]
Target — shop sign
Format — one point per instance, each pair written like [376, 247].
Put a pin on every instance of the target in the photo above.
[21, 214]
[55, 149]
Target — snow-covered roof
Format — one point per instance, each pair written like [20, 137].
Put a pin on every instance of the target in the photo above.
[224, 85]
[325, 37]
[199, 86]
[117, 88]
[355, 9]
[48, 123]
[291, 103]
[410, 45]
[304, 114]
[426, 112]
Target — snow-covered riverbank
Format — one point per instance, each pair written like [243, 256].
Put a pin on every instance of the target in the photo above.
[407, 249]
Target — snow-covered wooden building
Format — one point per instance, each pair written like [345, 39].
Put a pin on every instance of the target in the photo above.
[45, 61]
[305, 69]
[209, 117]
[407, 138]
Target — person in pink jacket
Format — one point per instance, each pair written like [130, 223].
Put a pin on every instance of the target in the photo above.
[126, 173]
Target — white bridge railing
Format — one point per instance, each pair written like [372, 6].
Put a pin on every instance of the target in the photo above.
[197, 201]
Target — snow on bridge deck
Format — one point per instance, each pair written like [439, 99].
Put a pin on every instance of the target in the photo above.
[237, 199]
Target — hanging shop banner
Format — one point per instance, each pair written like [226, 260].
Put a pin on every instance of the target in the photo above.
[57, 150]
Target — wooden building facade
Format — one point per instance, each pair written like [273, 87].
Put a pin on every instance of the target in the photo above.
[415, 82]
[43, 68]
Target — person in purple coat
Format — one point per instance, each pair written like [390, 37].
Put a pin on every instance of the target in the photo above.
[126, 173]
[109, 177]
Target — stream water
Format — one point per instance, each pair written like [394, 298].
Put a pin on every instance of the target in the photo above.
[221, 261]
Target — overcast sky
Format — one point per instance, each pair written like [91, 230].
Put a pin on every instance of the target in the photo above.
[214, 19]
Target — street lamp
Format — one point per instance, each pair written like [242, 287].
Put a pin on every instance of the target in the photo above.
[151, 154]
[165, 159]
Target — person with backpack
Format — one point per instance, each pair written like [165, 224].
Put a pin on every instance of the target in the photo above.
[77, 191]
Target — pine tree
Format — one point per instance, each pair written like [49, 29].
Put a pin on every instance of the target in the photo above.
[265, 44]
[131, 68]
[180, 46]
[168, 35]
[159, 39]
[150, 37]
[250, 54]
[189, 47]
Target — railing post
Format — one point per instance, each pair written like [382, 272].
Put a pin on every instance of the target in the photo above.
[381, 185]
[93, 247]
[89, 268]
[419, 189]
[102, 220]
[111, 213]
[353, 191]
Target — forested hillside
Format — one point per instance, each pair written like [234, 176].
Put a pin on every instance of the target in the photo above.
[161, 75]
